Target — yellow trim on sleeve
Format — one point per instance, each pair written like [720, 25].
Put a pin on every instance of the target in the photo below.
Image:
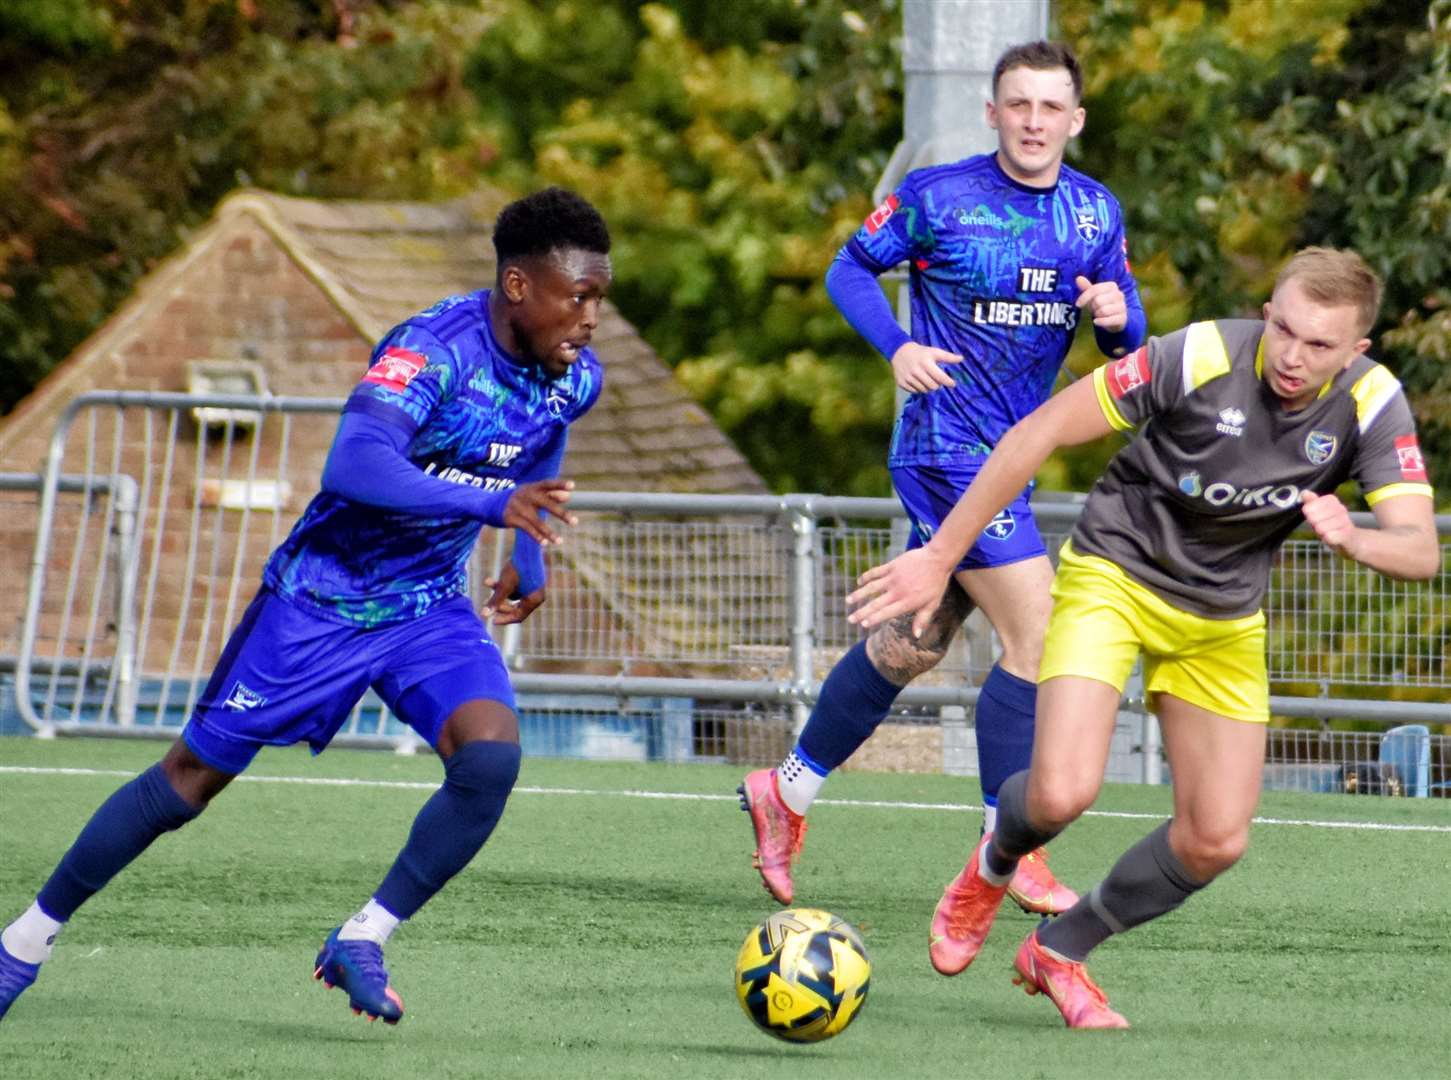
[1371, 393]
[1391, 491]
[1260, 357]
[1205, 356]
[1105, 400]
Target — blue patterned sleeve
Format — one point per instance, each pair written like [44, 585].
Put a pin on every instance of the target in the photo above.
[894, 232]
[852, 286]
[410, 374]
[528, 558]
[1113, 265]
[367, 465]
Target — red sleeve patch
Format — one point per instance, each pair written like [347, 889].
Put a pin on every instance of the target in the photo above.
[396, 368]
[1127, 267]
[1129, 373]
[878, 217]
[1408, 454]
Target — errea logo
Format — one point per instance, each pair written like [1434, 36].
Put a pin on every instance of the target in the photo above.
[1231, 422]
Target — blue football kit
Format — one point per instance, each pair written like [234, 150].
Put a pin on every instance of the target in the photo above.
[992, 268]
[992, 265]
[370, 590]
[370, 587]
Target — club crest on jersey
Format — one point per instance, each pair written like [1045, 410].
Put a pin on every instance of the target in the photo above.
[1320, 447]
[1085, 221]
[555, 400]
[1408, 455]
[1231, 422]
[396, 368]
[878, 217]
[242, 697]
[1002, 526]
[1129, 373]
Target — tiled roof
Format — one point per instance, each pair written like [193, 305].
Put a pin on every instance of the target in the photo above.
[302, 289]
[382, 261]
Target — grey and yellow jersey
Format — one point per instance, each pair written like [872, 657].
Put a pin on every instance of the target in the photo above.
[1197, 505]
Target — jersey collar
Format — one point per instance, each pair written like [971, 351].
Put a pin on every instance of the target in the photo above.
[1029, 189]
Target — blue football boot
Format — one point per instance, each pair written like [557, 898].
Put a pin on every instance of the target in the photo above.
[15, 976]
[357, 967]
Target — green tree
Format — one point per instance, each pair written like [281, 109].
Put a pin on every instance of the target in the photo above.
[732, 156]
[1237, 132]
[123, 123]
[732, 147]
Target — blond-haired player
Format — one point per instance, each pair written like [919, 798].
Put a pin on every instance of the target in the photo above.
[1248, 429]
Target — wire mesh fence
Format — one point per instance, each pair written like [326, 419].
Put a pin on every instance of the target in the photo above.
[148, 529]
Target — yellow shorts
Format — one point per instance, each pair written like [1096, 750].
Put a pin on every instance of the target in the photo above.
[1102, 619]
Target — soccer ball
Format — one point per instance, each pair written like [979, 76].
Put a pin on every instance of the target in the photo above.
[802, 975]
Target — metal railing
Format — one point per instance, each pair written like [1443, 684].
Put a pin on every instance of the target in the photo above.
[735, 601]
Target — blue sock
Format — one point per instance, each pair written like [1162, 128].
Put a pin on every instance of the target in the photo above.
[854, 699]
[453, 824]
[136, 813]
[1004, 715]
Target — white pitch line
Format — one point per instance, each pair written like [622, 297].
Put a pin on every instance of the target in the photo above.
[687, 796]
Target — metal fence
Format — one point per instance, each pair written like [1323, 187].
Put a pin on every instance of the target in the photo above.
[678, 627]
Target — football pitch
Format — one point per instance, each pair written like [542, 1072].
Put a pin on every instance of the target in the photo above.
[595, 934]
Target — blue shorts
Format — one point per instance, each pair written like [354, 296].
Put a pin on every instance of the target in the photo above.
[928, 493]
[287, 676]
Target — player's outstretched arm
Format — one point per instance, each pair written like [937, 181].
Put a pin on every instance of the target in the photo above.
[367, 465]
[1404, 546]
[916, 580]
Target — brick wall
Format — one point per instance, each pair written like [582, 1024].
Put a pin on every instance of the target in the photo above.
[240, 296]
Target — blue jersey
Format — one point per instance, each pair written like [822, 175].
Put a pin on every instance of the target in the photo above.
[992, 264]
[475, 416]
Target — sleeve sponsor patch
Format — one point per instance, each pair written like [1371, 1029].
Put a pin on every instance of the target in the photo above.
[878, 217]
[1129, 373]
[396, 368]
[1408, 456]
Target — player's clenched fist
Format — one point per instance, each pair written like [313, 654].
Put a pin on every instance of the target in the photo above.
[523, 509]
[1327, 515]
[1104, 302]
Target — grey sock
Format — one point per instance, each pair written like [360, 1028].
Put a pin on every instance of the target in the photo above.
[1147, 881]
[1014, 836]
